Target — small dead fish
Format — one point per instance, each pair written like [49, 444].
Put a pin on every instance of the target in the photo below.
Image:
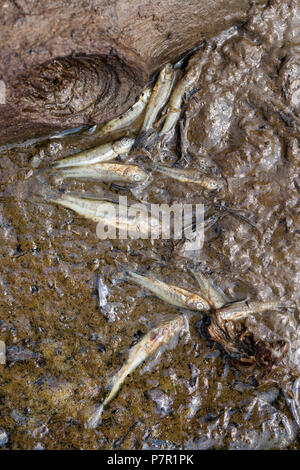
[184, 85]
[103, 153]
[107, 172]
[92, 209]
[194, 233]
[239, 310]
[154, 340]
[126, 119]
[215, 298]
[159, 96]
[171, 294]
[110, 214]
[191, 176]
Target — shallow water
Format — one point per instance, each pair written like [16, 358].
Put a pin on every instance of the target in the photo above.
[68, 321]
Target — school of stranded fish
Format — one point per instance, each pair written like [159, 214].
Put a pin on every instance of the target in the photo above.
[98, 164]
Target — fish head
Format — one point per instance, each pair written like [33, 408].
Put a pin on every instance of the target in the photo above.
[135, 174]
[168, 72]
[146, 94]
[123, 146]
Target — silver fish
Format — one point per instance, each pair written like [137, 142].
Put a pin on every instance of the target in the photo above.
[194, 234]
[107, 172]
[92, 209]
[191, 176]
[126, 119]
[103, 153]
[215, 298]
[149, 344]
[171, 294]
[112, 214]
[159, 96]
[184, 85]
[239, 310]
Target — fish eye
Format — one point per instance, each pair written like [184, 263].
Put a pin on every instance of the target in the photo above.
[126, 142]
[137, 177]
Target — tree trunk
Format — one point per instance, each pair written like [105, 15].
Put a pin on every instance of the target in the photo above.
[66, 63]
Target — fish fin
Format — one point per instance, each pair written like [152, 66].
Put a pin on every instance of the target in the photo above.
[218, 293]
[197, 222]
[39, 188]
[152, 360]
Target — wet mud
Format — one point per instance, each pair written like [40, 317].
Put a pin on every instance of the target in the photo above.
[67, 318]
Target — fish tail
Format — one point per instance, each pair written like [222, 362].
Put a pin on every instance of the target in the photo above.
[63, 163]
[95, 419]
[79, 172]
[125, 273]
[56, 164]
[115, 384]
[51, 171]
[162, 169]
[40, 188]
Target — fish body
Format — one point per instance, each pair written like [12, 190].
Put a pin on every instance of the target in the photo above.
[239, 310]
[113, 215]
[103, 153]
[194, 234]
[191, 176]
[93, 209]
[126, 119]
[215, 298]
[107, 172]
[159, 96]
[149, 344]
[184, 85]
[171, 294]
[157, 338]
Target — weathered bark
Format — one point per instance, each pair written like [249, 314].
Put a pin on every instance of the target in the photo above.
[66, 63]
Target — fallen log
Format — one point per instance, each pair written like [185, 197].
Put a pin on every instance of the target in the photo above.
[67, 63]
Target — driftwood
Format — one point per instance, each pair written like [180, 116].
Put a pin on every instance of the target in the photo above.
[67, 63]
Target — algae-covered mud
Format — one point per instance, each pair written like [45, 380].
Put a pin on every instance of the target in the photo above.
[69, 317]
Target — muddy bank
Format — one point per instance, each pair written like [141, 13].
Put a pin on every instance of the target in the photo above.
[76, 63]
[68, 321]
